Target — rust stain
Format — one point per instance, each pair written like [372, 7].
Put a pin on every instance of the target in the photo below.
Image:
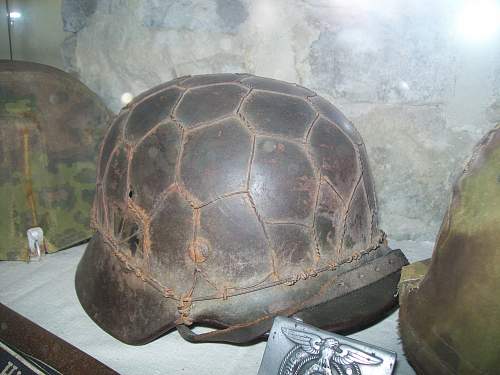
[199, 250]
[308, 185]
[28, 181]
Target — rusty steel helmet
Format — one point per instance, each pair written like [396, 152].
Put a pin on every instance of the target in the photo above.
[50, 129]
[225, 200]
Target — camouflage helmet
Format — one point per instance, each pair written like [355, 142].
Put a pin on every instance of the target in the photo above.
[50, 128]
[227, 200]
[450, 306]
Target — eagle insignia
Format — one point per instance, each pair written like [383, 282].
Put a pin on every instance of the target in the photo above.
[313, 355]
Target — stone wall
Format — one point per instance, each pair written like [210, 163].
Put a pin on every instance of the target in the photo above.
[420, 93]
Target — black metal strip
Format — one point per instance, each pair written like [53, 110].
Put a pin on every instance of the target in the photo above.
[33, 340]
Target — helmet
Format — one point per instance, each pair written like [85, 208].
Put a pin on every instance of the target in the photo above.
[449, 316]
[226, 200]
[49, 127]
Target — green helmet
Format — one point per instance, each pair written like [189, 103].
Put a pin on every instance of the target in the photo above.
[50, 128]
[450, 306]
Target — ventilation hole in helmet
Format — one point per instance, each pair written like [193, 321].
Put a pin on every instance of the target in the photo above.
[133, 243]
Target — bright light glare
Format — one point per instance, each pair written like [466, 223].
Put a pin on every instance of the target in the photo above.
[479, 19]
[265, 14]
[14, 15]
[126, 98]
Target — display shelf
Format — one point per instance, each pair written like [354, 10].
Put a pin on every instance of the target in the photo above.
[44, 292]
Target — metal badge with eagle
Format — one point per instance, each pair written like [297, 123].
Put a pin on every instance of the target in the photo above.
[295, 348]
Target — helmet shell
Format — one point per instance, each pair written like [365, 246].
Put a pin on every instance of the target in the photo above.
[449, 315]
[50, 128]
[225, 198]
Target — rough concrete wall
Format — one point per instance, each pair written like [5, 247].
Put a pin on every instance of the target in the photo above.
[419, 94]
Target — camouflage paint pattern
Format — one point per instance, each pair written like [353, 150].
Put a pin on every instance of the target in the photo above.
[50, 129]
[450, 315]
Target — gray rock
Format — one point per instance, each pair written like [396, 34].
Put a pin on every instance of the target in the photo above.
[322, 56]
[414, 156]
[232, 13]
[68, 53]
[493, 112]
[406, 59]
[75, 14]
[210, 16]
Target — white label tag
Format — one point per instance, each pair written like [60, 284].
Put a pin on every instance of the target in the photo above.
[36, 244]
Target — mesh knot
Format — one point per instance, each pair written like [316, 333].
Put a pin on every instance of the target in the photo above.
[184, 309]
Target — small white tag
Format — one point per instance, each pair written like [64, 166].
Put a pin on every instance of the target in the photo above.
[35, 243]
